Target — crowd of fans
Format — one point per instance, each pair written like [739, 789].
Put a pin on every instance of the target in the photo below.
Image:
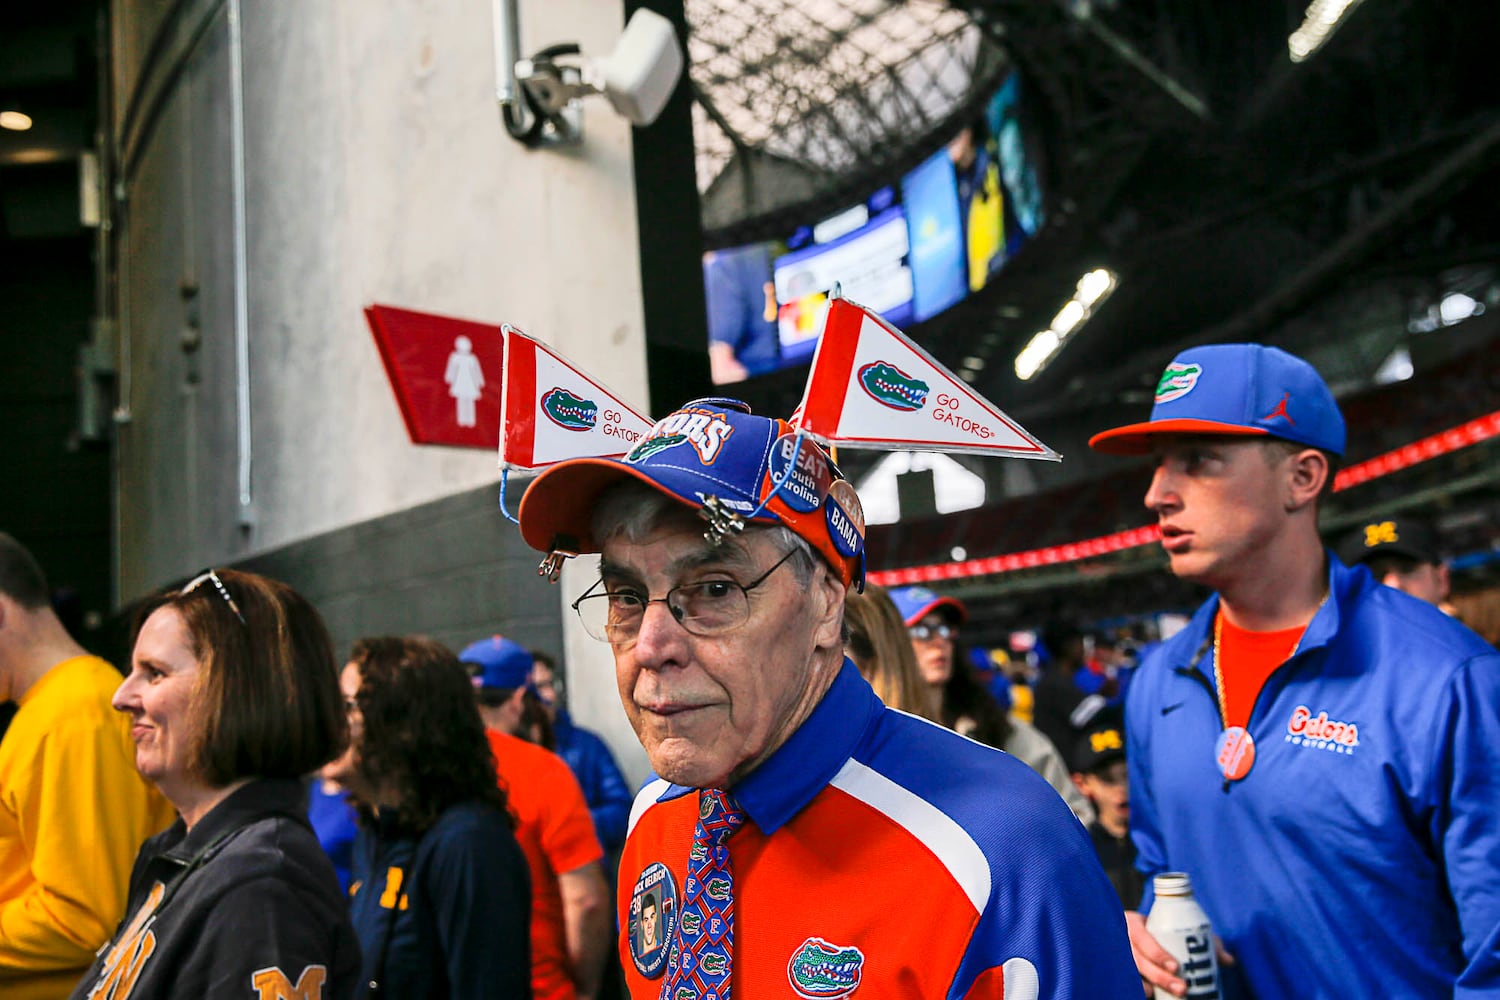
[243, 815]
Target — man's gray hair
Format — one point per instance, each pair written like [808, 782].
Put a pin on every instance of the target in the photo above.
[634, 510]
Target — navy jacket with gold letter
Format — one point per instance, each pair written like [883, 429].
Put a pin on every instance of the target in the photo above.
[244, 905]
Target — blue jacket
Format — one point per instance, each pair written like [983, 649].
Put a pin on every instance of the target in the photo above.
[1360, 856]
[604, 787]
[447, 914]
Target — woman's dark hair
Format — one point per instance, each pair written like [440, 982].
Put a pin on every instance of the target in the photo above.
[965, 697]
[267, 700]
[423, 740]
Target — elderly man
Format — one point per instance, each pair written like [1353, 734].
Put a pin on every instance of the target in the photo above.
[1318, 752]
[800, 834]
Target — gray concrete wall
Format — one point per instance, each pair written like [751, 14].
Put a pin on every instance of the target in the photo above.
[376, 169]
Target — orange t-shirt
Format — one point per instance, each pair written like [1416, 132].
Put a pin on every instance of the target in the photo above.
[556, 834]
[1247, 659]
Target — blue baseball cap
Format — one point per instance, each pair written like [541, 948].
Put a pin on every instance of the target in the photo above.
[502, 664]
[715, 455]
[1239, 389]
[916, 603]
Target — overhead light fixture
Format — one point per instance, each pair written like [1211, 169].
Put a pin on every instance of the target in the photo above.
[973, 361]
[16, 121]
[1092, 289]
[1322, 18]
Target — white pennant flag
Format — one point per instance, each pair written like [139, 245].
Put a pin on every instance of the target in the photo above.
[550, 411]
[872, 387]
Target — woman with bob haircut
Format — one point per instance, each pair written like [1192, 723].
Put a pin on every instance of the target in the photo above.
[442, 897]
[233, 697]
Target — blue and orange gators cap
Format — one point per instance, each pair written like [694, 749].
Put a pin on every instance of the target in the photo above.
[1238, 389]
[916, 603]
[500, 663]
[710, 449]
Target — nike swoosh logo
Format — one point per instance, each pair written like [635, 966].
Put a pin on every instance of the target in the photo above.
[1168, 710]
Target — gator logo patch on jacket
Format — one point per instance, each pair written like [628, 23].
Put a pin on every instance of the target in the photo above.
[892, 387]
[822, 971]
[568, 411]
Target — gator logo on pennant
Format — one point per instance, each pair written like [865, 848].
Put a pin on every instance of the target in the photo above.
[568, 411]
[892, 387]
[1177, 381]
[822, 971]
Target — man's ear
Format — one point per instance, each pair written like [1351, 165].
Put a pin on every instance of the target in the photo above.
[830, 628]
[1308, 471]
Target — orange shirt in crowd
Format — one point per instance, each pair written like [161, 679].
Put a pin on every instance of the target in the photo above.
[557, 835]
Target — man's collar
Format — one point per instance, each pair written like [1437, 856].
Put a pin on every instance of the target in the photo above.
[790, 778]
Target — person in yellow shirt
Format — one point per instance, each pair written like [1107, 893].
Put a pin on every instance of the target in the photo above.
[73, 809]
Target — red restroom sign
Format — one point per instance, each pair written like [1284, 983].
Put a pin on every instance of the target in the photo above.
[446, 375]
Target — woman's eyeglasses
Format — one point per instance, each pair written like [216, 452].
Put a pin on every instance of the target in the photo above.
[210, 576]
[923, 633]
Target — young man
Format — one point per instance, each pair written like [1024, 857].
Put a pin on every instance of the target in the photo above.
[1317, 751]
[1400, 552]
[792, 807]
[73, 809]
[569, 897]
[1099, 772]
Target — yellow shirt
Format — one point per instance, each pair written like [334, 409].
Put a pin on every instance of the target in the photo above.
[73, 814]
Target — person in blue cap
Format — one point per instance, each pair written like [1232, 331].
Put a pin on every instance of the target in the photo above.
[1316, 751]
[792, 808]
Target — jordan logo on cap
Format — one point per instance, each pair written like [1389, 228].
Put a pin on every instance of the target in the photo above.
[1280, 410]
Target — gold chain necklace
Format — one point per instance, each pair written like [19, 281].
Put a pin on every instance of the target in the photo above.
[1218, 659]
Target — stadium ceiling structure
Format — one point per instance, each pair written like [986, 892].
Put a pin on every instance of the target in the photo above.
[1325, 204]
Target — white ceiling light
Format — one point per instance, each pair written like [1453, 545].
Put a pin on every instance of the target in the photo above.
[1322, 17]
[1092, 289]
[16, 121]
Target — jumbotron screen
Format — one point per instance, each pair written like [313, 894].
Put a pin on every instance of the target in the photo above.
[908, 252]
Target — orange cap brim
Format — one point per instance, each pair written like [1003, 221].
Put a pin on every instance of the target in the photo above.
[1135, 439]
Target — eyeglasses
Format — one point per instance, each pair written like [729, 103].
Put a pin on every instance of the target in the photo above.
[213, 578]
[924, 633]
[705, 608]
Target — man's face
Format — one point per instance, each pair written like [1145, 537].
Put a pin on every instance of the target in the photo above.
[1108, 788]
[1427, 582]
[544, 682]
[934, 649]
[648, 925]
[1220, 502]
[708, 709]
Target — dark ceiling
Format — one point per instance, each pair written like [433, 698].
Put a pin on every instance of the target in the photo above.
[1239, 196]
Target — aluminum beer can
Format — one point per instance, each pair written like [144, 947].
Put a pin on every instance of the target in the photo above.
[1181, 927]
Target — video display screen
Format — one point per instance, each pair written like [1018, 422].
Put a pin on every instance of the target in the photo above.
[909, 251]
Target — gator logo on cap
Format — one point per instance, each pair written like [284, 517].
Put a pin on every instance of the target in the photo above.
[892, 387]
[1177, 381]
[706, 430]
[822, 971]
[569, 411]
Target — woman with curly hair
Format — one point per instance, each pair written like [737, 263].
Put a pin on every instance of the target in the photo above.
[441, 898]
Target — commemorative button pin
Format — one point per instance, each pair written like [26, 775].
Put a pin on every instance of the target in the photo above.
[1234, 753]
[653, 916]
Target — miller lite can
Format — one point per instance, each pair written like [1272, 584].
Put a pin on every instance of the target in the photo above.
[1181, 927]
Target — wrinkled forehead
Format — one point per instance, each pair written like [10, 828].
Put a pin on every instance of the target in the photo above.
[678, 546]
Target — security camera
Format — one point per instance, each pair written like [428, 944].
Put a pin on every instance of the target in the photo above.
[637, 77]
[640, 74]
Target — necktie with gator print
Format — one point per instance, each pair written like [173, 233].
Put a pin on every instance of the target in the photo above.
[703, 942]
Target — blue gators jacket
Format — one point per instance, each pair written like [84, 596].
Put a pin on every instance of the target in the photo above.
[1360, 857]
